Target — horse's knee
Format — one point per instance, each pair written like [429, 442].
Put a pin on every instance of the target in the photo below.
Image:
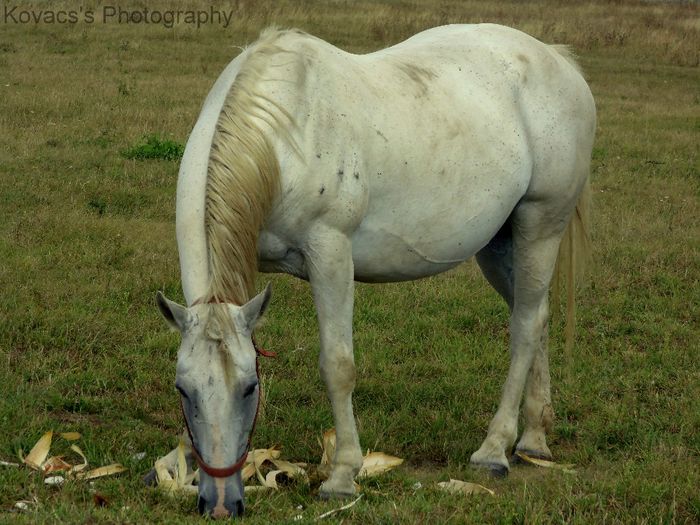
[338, 369]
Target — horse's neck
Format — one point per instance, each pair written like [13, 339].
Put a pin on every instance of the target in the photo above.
[191, 189]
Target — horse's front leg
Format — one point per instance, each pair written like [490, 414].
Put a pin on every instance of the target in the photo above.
[329, 263]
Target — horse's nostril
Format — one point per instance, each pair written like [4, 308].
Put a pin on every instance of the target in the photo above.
[201, 505]
[240, 508]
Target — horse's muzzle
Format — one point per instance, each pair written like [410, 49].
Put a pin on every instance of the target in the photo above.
[212, 508]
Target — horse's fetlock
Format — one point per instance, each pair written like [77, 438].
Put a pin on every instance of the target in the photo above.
[351, 459]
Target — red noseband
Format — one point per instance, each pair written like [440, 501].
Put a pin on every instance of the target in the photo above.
[225, 472]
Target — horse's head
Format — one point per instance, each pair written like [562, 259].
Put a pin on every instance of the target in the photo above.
[218, 384]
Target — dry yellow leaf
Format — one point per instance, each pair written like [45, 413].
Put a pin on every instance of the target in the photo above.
[38, 454]
[55, 464]
[181, 465]
[455, 486]
[376, 463]
[70, 436]
[373, 464]
[291, 469]
[176, 477]
[271, 479]
[545, 463]
[171, 486]
[162, 473]
[328, 446]
[256, 458]
[190, 489]
[248, 472]
[83, 466]
[107, 470]
[285, 468]
[259, 456]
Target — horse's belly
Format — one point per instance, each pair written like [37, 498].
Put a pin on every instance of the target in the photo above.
[388, 250]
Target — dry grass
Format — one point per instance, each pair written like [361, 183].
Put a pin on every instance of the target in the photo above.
[87, 237]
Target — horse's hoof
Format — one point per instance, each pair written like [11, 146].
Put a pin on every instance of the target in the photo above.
[151, 478]
[534, 454]
[496, 470]
[330, 490]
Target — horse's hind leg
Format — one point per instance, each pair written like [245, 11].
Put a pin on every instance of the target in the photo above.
[535, 238]
[496, 263]
[330, 267]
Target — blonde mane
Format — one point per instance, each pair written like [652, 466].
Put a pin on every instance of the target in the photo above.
[243, 177]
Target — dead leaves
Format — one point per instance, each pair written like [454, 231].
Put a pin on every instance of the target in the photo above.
[38, 460]
[179, 478]
[99, 472]
[36, 457]
[56, 464]
[376, 463]
[373, 463]
[57, 469]
[174, 475]
[567, 468]
[328, 447]
[465, 488]
[455, 486]
[265, 470]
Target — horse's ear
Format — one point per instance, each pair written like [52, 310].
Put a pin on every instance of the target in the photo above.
[175, 315]
[254, 309]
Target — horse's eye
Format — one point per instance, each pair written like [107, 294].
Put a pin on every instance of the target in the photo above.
[250, 389]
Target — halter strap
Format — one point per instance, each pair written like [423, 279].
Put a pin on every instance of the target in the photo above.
[225, 472]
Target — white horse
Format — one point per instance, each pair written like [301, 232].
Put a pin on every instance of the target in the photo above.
[463, 140]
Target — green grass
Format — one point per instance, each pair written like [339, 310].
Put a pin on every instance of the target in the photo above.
[87, 238]
[154, 147]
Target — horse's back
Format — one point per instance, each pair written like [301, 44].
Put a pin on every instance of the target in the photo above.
[421, 151]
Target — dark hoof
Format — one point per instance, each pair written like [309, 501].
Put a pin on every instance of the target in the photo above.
[498, 471]
[151, 478]
[534, 454]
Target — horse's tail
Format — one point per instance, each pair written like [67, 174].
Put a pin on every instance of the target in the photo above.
[567, 53]
[574, 253]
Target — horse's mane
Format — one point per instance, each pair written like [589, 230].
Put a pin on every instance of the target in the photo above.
[243, 176]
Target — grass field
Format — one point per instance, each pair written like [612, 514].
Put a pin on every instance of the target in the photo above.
[87, 238]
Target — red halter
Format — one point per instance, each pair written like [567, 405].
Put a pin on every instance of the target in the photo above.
[225, 472]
